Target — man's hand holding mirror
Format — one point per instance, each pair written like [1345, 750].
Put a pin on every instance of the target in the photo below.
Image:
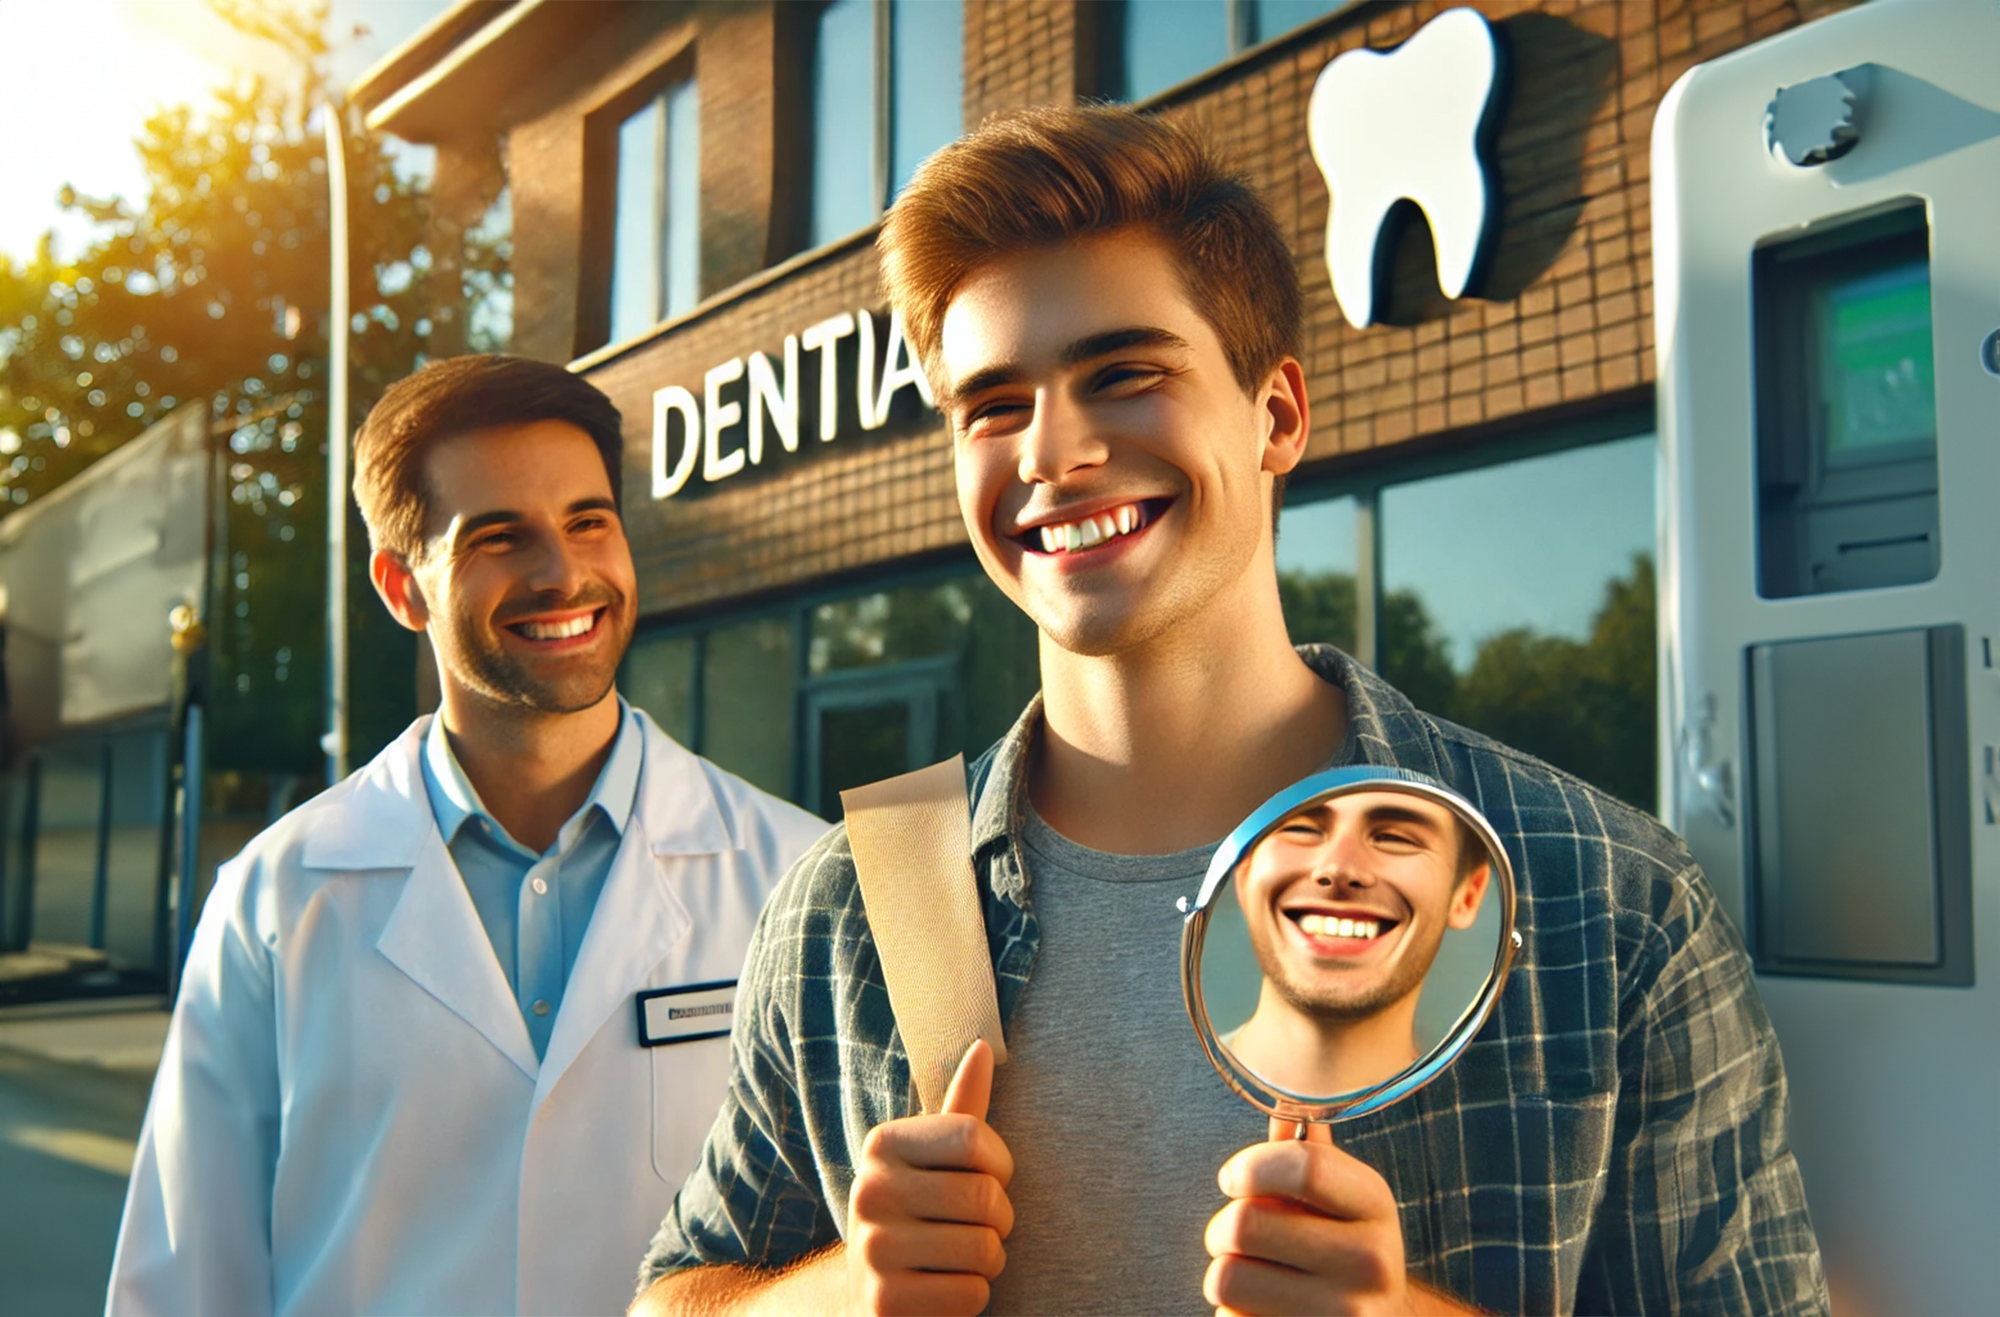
[1349, 939]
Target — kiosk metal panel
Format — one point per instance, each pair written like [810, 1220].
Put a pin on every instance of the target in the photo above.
[1860, 826]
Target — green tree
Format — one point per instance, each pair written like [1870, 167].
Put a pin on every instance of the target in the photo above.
[1416, 658]
[213, 288]
[1585, 706]
[1318, 606]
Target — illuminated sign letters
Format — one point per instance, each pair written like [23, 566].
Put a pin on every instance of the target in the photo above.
[762, 396]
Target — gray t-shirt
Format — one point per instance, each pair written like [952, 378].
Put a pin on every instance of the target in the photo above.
[1116, 1120]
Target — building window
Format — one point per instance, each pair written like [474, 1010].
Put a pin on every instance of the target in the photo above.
[656, 223]
[486, 277]
[829, 693]
[887, 91]
[1515, 598]
[1317, 558]
[1151, 45]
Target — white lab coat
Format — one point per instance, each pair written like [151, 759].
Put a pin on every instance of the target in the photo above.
[349, 1116]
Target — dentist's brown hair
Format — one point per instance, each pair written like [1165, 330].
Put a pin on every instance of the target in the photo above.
[454, 396]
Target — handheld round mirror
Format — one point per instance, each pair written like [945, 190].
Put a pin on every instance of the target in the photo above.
[1347, 942]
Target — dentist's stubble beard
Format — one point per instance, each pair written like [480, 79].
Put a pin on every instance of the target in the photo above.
[566, 683]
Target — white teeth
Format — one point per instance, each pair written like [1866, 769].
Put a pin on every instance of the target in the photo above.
[1333, 926]
[1087, 532]
[576, 626]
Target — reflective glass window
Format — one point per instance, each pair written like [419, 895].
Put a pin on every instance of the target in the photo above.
[843, 123]
[656, 224]
[635, 242]
[1002, 669]
[658, 676]
[1316, 578]
[894, 679]
[487, 277]
[991, 646]
[1164, 42]
[1518, 600]
[904, 677]
[749, 680]
[1274, 18]
[72, 792]
[864, 742]
[682, 205]
[138, 812]
[890, 626]
[927, 62]
[16, 905]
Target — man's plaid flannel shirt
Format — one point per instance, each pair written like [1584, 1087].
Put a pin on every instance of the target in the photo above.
[1612, 1141]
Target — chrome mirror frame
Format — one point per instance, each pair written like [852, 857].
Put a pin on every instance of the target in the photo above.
[1260, 1093]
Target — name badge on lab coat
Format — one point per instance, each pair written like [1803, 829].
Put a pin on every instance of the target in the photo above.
[682, 1015]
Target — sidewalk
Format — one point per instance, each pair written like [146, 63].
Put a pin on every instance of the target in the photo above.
[58, 973]
[120, 1033]
[74, 1077]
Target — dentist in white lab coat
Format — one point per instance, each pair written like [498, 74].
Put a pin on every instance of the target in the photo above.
[451, 1034]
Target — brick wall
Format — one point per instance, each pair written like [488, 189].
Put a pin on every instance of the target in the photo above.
[547, 159]
[1564, 326]
[1023, 52]
[825, 510]
[1566, 316]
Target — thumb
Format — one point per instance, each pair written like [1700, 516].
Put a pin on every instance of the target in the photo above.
[972, 1087]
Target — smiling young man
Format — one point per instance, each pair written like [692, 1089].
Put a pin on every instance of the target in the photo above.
[1112, 325]
[1346, 904]
[425, 1057]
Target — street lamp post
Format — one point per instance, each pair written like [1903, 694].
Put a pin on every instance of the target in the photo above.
[334, 742]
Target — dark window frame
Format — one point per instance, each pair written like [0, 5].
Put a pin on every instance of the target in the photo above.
[600, 191]
[799, 141]
[797, 610]
[1100, 62]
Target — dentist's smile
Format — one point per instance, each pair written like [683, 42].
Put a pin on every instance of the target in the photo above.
[555, 633]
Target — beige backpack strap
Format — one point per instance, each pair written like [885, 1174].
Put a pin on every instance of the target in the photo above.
[912, 843]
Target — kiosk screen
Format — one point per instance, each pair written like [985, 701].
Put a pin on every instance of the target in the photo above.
[1846, 408]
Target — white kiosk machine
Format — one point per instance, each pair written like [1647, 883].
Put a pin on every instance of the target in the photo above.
[1827, 280]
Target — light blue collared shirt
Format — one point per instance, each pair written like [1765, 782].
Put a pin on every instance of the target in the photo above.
[535, 907]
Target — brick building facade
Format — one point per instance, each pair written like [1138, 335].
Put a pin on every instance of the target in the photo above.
[1552, 352]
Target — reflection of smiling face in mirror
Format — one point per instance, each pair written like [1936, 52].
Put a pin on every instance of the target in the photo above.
[1346, 902]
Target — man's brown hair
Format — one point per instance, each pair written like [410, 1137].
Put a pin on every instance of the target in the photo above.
[1038, 177]
[457, 396]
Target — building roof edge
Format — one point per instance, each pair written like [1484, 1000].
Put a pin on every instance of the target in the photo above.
[421, 52]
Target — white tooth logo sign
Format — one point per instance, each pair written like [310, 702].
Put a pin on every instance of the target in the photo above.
[1413, 124]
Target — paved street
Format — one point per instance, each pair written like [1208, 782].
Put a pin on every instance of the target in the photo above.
[73, 1085]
